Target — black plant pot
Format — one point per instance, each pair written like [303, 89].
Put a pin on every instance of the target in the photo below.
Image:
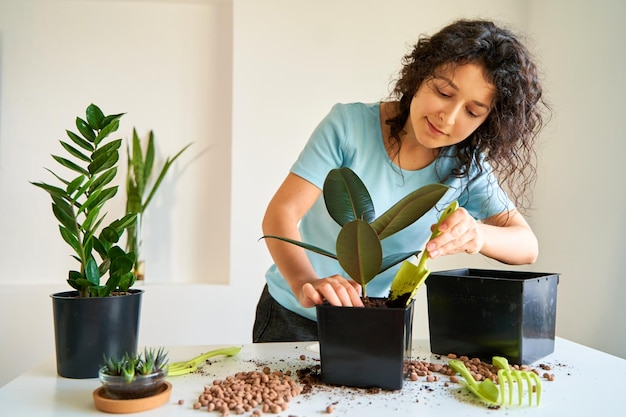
[85, 329]
[484, 313]
[364, 347]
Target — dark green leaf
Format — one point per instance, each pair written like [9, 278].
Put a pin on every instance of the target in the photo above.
[111, 118]
[98, 198]
[107, 149]
[303, 245]
[80, 141]
[73, 278]
[110, 234]
[64, 213]
[88, 223]
[104, 161]
[394, 259]
[103, 179]
[126, 281]
[106, 131]
[71, 165]
[346, 197]
[52, 190]
[85, 130]
[101, 247]
[359, 251]
[73, 186]
[125, 222]
[75, 152]
[94, 117]
[408, 210]
[71, 239]
[91, 271]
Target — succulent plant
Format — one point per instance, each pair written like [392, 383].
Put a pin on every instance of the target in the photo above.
[132, 365]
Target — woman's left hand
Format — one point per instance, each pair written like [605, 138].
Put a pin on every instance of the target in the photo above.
[460, 232]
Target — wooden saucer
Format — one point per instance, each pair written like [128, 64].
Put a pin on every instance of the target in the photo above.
[109, 405]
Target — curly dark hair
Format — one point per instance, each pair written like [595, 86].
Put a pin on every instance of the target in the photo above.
[507, 137]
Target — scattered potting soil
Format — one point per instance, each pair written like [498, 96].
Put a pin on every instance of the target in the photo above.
[270, 390]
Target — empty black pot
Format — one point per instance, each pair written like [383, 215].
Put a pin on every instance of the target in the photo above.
[484, 313]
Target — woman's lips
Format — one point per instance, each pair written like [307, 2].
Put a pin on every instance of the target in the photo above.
[433, 129]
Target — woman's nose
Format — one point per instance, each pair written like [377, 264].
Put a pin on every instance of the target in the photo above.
[448, 115]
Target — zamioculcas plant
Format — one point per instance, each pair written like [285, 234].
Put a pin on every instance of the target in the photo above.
[358, 246]
[140, 165]
[78, 204]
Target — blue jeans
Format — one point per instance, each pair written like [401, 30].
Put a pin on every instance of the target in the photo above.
[275, 323]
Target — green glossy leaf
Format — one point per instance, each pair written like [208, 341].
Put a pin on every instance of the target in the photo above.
[98, 198]
[126, 281]
[86, 145]
[92, 274]
[75, 184]
[346, 197]
[303, 245]
[408, 210]
[359, 251]
[110, 234]
[90, 221]
[125, 222]
[71, 239]
[107, 149]
[65, 215]
[51, 189]
[75, 152]
[70, 165]
[85, 130]
[107, 130]
[74, 276]
[94, 117]
[111, 119]
[103, 179]
[103, 162]
[396, 258]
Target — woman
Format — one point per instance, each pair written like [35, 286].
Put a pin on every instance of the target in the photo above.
[464, 112]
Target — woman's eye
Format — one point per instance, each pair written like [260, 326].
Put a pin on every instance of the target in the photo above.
[441, 93]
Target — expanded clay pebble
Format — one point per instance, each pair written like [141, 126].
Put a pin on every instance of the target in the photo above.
[480, 370]
[259, 392]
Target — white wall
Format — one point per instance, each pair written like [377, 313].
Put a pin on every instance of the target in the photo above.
[290, 62]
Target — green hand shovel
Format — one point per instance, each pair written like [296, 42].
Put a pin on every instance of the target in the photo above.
[410, 277]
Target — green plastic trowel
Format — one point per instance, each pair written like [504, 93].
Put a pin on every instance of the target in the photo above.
[410, 277]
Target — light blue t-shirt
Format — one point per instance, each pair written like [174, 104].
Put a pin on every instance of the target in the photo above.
[350, 136]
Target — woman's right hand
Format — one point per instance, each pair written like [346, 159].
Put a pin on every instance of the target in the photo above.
[337, 290]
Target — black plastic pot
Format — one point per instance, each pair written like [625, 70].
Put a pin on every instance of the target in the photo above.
[364, 347]
[485, 313]
[85, 329]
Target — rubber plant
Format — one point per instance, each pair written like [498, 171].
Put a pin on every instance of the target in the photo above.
[138, 175]
[358, 247]
[79, 200]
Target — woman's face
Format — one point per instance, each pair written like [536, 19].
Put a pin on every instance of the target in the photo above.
[447, 108]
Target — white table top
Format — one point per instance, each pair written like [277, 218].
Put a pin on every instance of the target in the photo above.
[586, 382]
